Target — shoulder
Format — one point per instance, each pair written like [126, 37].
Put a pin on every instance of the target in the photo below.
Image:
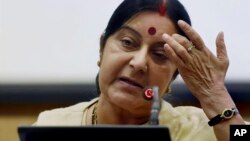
[186, 122]
[71, 115]
[183, 112]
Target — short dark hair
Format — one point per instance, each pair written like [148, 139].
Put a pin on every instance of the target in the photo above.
[128, 8]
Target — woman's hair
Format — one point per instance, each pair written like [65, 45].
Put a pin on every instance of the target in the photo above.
[128, 8]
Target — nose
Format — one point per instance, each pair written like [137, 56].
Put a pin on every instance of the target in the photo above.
[139, 61]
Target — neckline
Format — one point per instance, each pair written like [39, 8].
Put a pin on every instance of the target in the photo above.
[86, 111]
[93, 114]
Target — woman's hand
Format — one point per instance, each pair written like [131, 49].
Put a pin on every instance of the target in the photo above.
[203, 72]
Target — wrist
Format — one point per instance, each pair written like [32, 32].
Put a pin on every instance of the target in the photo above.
[226, 114]
[216, 103]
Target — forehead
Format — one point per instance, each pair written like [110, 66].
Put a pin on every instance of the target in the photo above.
[144, 20]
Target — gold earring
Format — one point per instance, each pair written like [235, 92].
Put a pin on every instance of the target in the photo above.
[145, 69]
[168, 90]
[99, 63]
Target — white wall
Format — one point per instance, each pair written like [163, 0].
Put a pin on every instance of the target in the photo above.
[57, 41]
[231, 16]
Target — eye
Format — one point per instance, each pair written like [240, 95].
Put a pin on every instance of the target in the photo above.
[160, 55]
[128, 42]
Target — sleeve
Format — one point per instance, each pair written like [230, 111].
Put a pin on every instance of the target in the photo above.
[187, 123]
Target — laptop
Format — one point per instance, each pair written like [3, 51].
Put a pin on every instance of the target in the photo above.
[103, 132]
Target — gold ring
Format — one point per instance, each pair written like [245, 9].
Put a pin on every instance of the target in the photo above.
[189, 49]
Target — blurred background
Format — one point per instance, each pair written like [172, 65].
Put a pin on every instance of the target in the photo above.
[49, 51]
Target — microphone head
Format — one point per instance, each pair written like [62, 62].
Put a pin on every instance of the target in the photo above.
[148, 94]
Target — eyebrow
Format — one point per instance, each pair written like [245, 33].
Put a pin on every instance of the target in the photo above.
[132, 30]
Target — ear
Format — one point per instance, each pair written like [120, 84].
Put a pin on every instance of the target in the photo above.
[100, 60]
[102, 44]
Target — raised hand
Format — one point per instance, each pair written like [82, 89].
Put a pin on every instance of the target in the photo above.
[203, 72]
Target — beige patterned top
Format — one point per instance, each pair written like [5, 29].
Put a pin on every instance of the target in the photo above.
[186, 123]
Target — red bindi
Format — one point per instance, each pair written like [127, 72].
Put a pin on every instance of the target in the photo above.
[152, 31]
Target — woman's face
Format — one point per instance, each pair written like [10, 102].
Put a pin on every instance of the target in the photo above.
[134, 59]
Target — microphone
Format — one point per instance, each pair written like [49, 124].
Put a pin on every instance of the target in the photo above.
[155, 109]
[148, 94]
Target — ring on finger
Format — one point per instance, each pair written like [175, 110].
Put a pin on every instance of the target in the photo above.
[189, 49]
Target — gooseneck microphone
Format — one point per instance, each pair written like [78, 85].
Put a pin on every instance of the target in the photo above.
[155, 109]
[148, 94]
[153, 94]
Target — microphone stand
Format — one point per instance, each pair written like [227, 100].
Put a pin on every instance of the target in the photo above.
[155, 109]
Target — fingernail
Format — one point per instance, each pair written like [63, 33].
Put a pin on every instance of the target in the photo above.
[181, 22]
[165, 36]
[166, 46]
[222, 34]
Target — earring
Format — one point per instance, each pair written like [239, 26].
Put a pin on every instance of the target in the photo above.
[168, 90]
[98, 63]
[145, 69]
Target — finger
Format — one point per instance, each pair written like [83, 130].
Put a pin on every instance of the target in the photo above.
[192, 34]
[183, 41]
[221, 47]
[178, 48]
[172, 55]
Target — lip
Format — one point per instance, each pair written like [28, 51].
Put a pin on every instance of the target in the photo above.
[131, 82]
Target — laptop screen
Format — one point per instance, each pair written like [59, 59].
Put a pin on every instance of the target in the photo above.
[81, 133]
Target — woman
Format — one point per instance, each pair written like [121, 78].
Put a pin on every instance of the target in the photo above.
[147, 43]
